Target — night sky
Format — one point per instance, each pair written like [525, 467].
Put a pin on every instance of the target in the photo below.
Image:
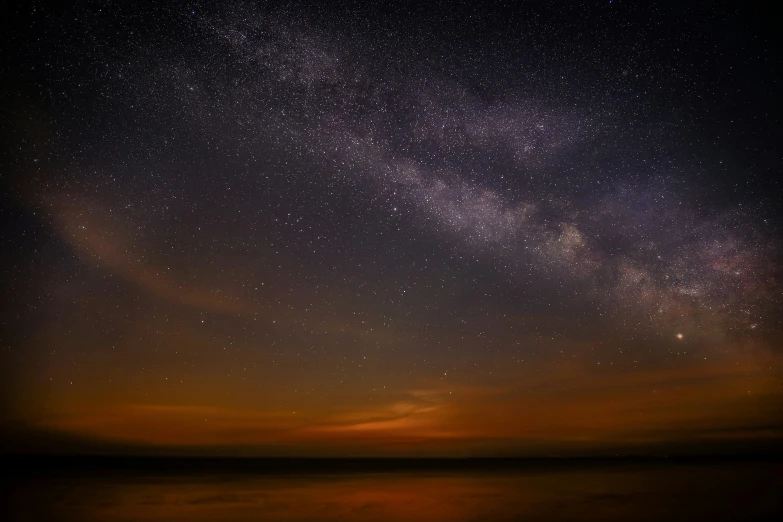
[549, 228]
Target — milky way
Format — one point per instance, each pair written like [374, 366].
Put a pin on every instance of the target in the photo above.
[514, 174]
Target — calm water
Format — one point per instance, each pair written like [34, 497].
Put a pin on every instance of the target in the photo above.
[749, 491]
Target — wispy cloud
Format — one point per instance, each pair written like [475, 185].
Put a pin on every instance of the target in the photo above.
[88, 229]
[101, 236]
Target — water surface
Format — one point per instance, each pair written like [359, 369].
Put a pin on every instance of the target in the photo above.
[733, 491]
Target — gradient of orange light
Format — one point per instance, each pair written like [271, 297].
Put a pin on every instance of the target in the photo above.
[568, 403]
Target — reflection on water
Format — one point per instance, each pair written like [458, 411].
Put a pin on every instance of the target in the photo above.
[715, 492]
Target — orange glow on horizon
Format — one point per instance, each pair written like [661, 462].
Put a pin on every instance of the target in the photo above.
[574, 406]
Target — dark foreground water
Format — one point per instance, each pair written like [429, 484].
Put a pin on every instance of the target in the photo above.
[579, 491]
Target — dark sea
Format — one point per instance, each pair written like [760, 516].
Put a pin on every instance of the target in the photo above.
[184, 490]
